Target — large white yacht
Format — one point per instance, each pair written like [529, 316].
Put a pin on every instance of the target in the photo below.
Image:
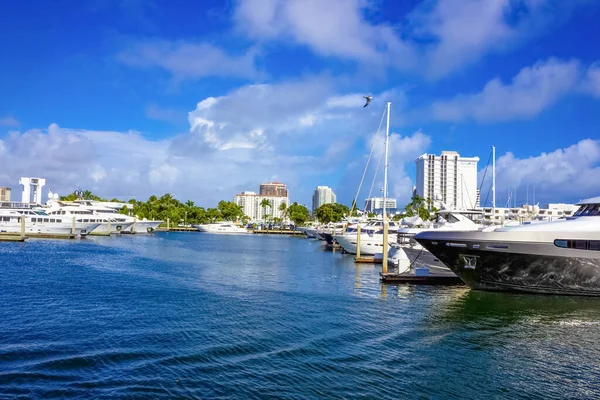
[558, 257]
[38, 223]
[221, 227]
[128, 223]
[108, 221]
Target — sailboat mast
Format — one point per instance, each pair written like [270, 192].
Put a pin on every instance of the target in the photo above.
[385, 166]
[494, 182]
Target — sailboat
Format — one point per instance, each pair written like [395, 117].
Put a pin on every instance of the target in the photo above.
[372, 241]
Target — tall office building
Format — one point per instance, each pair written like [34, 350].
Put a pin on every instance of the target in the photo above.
[449, 179]
[322, 195]
[274, 189]
[375, 205]
[4, 194]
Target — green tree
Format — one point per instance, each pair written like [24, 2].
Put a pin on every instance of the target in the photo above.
[331, 213]
[283, 209]
[264, 204]
[230, 211]
[298, 214]
[418, 206]
[213, 215]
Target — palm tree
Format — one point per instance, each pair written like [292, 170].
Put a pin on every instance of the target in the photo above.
[264, 204]
[189, 203]
[283, 209]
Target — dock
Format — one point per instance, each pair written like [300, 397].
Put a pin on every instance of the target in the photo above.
[277, 232]
[433, 276]
[368, 260]
[176, 229]
[4, 237]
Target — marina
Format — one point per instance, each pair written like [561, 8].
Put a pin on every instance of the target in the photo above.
[182, 315]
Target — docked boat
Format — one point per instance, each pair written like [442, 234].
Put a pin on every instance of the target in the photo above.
[371, 238]
[221, 227]
[38, 223]
[107, 221]
[557, 257]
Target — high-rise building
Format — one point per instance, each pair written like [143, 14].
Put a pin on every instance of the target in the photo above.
[449, 179]
[322, 195]
[251, 204]
[4, 194]
[274, 189]
[375, 205]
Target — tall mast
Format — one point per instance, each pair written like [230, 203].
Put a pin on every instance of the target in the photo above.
[385, 166]
[494, 180]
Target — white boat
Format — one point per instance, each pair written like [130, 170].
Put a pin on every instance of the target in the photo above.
[108, 221]
[371, 238]
[221, 227]
[38, 223]
[557, 257]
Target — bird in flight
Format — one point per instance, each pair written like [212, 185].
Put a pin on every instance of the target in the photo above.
[369, 98]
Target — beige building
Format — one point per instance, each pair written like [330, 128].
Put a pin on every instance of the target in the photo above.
[4, 194]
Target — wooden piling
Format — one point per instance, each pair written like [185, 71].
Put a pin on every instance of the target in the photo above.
[133, 230]
[168, 225]
[109, 228]
[22, 227]
[73, 226]
[358, 241]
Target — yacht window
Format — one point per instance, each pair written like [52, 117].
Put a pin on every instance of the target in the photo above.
[561, 243]
[86, 220]
[594, 245]
[45, 219]
[33, 219]
[52, 220]
[6, 219]
[580, 244]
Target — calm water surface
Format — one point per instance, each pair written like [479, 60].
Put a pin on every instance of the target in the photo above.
[192, 315]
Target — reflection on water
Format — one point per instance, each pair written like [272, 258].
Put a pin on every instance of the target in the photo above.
[184, 315]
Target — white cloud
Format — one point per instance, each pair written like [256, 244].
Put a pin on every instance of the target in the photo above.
[531, 91]
[565, 174]
[437, 38]
[235, 142]
[330, 28]
[9, 121]
[190, 60]
[591, 84]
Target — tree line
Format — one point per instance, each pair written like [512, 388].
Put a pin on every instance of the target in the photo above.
[166, 206]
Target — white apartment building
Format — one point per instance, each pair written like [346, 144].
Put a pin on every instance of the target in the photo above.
[250, 204]
[375, 205]
[552, 211]
[449, 179]
[322, 195]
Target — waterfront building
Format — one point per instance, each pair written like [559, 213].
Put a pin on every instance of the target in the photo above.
[273, 189]
[250, 202]
[375, 205]
[448, 179]
[322, 195]
[4, 194]
[32, 186]
[529, 212]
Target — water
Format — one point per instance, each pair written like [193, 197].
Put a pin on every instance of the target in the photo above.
[192, 315]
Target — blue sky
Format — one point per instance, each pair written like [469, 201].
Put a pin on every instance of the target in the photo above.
[204, 99]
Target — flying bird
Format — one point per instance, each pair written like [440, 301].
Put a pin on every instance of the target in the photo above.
[369, 98]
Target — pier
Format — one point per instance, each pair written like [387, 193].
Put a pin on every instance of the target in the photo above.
[278, 232]
[422, 276]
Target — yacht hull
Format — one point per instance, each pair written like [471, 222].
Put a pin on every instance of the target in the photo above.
[115, 228]
[369, 245]
[518, 267]
[142, 227]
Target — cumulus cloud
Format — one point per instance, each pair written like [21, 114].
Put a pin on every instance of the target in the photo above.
[9, 121]
[564, 174]
[591, 84]
[185, 60]
[252, 134]
[531, 91]
[158, 113]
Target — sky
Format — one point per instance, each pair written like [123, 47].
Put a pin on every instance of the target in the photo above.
[204, 99]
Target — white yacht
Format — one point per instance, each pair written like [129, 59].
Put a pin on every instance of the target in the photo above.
[108, 221]
[38, 223]
[371, 237]
[221, 227]
[444, 220]
[557, 257]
